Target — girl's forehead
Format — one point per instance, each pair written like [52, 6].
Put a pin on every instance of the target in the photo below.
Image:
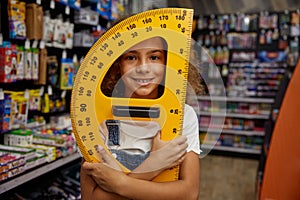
[151, 43]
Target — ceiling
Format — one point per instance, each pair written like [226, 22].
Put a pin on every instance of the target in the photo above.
[207, 7]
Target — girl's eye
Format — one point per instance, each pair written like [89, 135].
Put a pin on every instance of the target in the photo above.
[154, 57]
[130, 58]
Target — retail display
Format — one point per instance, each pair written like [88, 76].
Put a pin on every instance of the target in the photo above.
[253, 53]
[38, 63]
[243, 127]
[43, 43]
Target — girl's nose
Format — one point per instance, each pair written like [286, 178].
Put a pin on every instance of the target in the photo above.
[143, 67]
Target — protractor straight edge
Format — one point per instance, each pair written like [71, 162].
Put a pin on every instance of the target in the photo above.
[90, 107]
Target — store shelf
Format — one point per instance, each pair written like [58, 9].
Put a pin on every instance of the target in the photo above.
[243, 115]
[235, 115]
[236, 99]
[30, 175]
[234, 132]
[231, 149]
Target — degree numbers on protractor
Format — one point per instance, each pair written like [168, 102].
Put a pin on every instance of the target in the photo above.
[172, 24]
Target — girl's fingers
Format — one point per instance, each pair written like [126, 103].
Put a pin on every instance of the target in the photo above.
[88, 167]
[105, 157]
[108, 160]
[180, 139]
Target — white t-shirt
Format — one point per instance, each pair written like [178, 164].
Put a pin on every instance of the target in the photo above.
[135, 137]
[191, 129]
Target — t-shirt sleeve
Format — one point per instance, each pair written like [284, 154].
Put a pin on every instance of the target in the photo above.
[191, 129]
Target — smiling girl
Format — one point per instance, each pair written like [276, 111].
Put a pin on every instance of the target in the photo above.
[140, 73]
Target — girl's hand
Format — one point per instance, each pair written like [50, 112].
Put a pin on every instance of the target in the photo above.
[169, 153]
[105, 176]
[106, 173]
[107, 159]
[164, 155]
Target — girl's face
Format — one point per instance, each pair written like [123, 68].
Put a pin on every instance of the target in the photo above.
[143, 68]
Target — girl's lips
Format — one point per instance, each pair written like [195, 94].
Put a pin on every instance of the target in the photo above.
[143, 82]
[140, 80]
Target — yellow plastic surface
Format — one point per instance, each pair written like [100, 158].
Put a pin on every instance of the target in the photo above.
[90, 107]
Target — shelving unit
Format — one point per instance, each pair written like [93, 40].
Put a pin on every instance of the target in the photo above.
[229, 60]
[235, 132]
[54, 16]
[32, 174]
[238, 133]
[236, 99]
[234, 115]
[252, 52]
[231, 149]
[60, 12]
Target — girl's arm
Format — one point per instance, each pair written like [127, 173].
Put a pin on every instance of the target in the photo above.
[90, 189]
[113, 181]
[163, 155]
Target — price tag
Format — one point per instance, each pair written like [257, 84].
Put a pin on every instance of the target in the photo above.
[52, 4]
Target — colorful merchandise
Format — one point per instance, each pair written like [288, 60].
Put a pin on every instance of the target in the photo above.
[18, 138]
[5, 112]
[8, 62]
[67, 74]
[34, 100]
[74, 4]
[20, 62]
[52, 71]
[16, 16]
[19, 110]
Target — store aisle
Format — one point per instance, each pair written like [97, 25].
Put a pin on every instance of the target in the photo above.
[227, 178]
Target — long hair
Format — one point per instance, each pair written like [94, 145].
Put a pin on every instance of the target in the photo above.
[111, 79]
[196, 85]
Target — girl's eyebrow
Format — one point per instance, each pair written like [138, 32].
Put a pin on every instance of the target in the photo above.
[131, 51]
[157, 50]
[153, 51]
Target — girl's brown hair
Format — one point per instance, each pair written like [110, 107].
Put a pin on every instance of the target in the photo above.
[195, 79]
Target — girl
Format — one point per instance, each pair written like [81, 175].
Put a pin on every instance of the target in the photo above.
[141, 70]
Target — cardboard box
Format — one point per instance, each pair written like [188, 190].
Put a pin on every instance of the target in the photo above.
[34, 21]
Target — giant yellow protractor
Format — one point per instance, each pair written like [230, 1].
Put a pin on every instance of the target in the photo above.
[90, 107]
